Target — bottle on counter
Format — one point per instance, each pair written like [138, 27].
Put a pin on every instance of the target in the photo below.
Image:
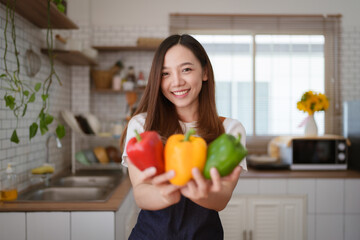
[117, 81]
[8, 190]
[141, 80]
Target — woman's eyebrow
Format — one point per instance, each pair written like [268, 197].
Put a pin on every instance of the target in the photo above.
[182, 64]
[186, 63]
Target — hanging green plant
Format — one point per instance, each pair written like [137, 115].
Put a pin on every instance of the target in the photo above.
[20, 94]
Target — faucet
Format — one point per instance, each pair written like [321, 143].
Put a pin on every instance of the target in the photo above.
[58, 145]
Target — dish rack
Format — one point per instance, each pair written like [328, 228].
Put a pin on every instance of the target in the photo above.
[81, 141]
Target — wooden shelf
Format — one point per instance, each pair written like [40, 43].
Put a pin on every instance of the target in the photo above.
[36, 12]
[71, 57]
[111, 91]
[124, 48]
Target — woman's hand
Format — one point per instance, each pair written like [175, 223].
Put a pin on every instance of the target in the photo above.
[153, 192]
[214, 193]
[169, 192]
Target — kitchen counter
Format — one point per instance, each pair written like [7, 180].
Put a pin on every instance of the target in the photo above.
[115, 201]
[112, 204]
[254, 173]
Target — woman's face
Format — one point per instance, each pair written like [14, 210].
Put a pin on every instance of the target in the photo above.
[182, 77]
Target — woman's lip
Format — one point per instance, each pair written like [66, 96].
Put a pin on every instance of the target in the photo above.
[181, 92]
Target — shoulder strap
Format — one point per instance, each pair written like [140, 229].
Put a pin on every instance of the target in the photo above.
[222, 119]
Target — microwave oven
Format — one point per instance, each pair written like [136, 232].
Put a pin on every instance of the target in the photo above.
[315, 153]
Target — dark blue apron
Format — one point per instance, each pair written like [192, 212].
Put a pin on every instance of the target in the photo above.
[184, 220]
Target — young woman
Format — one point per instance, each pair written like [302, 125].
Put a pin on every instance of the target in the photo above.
[180, 95]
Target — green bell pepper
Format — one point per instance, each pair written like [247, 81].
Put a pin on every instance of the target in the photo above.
[224, 153]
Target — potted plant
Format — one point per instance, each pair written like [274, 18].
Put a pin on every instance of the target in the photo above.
[18, 93]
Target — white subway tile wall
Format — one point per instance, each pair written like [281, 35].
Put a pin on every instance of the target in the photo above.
[350, 63]
[30, 154]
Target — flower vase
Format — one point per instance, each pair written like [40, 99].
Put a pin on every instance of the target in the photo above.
[311, 127]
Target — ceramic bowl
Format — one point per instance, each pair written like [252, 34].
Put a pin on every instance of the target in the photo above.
[114, 154]
[81, 158]
[101, 155]
[90, 156]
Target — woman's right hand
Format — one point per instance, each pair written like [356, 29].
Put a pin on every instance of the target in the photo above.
[170, 193]
[153, 192]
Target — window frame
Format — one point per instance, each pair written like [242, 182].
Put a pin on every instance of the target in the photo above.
[230, 24]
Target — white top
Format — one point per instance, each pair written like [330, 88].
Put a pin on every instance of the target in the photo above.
[232, 126]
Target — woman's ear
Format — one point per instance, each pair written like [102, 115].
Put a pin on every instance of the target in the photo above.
[205, 75]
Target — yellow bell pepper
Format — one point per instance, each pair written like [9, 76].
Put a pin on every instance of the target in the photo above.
[182, 154]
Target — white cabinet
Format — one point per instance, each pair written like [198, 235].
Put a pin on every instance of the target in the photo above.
[264, 217]
[12, 226]
[126, 217]
[233, 218]
[48, 225]
[92, 226]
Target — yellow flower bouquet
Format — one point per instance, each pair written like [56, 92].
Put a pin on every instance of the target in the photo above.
[312, 102]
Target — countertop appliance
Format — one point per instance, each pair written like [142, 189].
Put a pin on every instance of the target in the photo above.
[328, 152]
[351, 130]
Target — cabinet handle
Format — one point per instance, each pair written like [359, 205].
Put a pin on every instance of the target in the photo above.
[244, 235]
[250, 234]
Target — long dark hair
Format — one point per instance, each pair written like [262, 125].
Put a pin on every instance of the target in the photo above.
[161, 113]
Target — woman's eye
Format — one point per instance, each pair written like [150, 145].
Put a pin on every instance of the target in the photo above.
[186, 69]
[164, 74]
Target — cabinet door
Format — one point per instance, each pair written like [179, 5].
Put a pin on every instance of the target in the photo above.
[278, 218]
[92, 225]
[12, 226]
[48, 225]
[293, 214]
[125, 217]
[264, 219]
[233, 219]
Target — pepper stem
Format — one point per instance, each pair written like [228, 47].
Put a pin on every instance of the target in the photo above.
[137, 135]
[188, 134]
[238, 138]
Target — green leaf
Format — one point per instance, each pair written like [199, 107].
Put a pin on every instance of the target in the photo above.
[26, 93]
[10, 101]
[44, 97]
[33, 130]
[42, 114]
[24, 110]
[48, 119]
[43, 126]
[37, 87]
[14, 137]
[60, 131]
[32, 98]
[61, 7]
[2, 75]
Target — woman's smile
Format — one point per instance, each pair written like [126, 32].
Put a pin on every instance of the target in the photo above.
[181, 93]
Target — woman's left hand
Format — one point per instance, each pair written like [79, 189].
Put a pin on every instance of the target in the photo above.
[200, 188]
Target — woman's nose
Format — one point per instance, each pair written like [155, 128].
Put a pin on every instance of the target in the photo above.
[178, 80]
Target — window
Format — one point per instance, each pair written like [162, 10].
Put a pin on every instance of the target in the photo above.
[285, 67]
[264, 63]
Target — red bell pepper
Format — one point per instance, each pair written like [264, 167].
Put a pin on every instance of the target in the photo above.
[146, 150]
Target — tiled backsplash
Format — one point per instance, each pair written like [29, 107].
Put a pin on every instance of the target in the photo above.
[30, 154]
[350, 63]
[75, 92]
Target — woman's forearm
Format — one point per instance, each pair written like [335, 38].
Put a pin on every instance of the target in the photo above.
[147, 197]
[216, 200]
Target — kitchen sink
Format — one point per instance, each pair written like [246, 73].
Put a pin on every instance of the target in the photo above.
[87, 181]
[74, 188]
[66, 194]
